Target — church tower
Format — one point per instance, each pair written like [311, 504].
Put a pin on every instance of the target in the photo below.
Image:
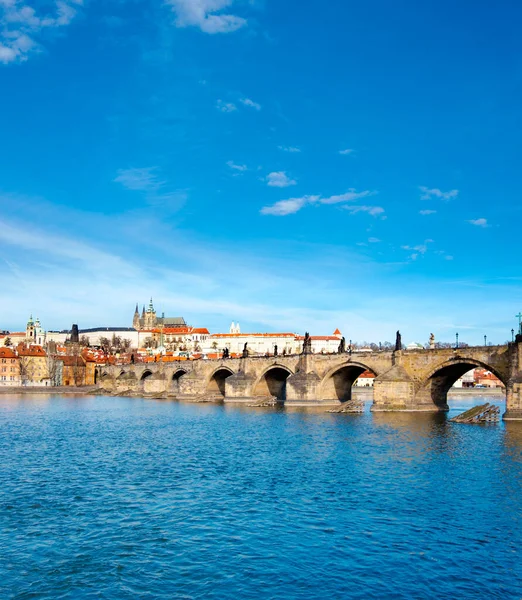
[39, 333]
[136, 319]
[150, 317]
[30, 330]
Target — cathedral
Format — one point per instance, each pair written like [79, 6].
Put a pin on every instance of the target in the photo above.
[149, 319]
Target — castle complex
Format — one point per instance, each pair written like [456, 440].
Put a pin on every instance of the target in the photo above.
[149, 319]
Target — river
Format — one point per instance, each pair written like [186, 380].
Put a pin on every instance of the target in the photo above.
[121, 498]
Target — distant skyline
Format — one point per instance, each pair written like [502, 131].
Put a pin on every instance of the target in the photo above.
[289, 166]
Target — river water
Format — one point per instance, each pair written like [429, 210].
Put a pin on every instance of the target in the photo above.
[124, 498]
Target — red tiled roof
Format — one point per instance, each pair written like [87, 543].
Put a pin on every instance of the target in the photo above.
[36, 351]
[337, 332]
[7, 353]
[72, 361]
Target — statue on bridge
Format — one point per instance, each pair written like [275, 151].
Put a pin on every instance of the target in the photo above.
[432, 341]
[307, 344]
[342, 346]
[245, 350]
[275, 350]
[398, 341]
[226, 353]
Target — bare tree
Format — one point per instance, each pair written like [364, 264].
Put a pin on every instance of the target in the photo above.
[26, 370]
[84, 341]
[105, 344]
[126, 343]
[7, 341]
[53, 368]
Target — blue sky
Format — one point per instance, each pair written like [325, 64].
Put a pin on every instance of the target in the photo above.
[288, 165]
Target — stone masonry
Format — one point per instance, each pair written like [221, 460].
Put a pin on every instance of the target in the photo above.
[413, 380]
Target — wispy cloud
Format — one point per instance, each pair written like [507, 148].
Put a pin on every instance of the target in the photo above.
[279, 179]
[21, 25]
[156, 190]
[226, 107]
[419, 249]
[207, 15]
[142, 179]
[291, 149]
[374, 240]
[427, 212]
[479, 222]
[250, 103]
[374, 211]
[430, 193]
[239, 168]
[293, 205]
[347, 151]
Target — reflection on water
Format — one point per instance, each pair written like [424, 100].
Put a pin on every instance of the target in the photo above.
[119, 498]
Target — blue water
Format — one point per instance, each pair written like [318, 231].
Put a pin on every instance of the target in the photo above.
[127, 498]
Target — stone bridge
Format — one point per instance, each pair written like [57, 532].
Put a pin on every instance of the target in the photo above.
[413, 380]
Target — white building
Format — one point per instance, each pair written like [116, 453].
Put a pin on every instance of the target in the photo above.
[263, 343]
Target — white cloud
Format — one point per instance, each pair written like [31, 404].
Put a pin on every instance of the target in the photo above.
[20, 25]
[291, 149]
[279, 179]
[374, 240]
[240, 168]
[292, 205]
[427, 212]
[250, 103]
[374, 211]
[226, 107]
[479, 222]
[448, 257]
[202, 14]
[288, 207]
[428, 194]
[347, 151]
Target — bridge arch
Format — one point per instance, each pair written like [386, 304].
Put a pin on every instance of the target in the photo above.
[273, 382]
[436, 385]
[216, 382]
[175, 379]
[145, 375]
[338, 382]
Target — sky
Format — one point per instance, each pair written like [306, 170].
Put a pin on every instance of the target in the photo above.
[294, 166]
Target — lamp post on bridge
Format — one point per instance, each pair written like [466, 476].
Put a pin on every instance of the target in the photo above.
[519, 317]
[512, 335]
[485, 340]
[457, 341]
[350, 348]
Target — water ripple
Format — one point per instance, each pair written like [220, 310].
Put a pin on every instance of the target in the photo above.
[122, 498]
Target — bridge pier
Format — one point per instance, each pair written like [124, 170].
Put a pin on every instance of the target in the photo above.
[155, 384]
[394, 390]
[514, 402]
[191, 386]
[303, 388]
[239, 388]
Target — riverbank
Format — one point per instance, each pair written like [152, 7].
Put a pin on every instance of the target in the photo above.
[60, 390]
